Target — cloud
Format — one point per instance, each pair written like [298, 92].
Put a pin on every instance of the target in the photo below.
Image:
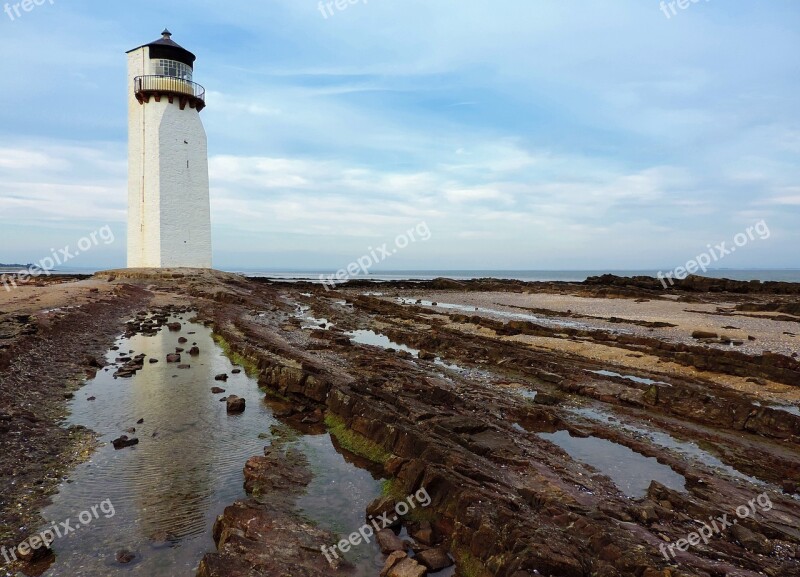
[62, 182]
[22, 160]
[581, 132]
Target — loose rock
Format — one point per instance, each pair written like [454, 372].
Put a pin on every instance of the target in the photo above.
[123, 442]
[392, 560]
[235, 404]
[434, 559]
[407, 568]
[389, 542]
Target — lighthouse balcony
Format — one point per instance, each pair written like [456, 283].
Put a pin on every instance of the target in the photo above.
[172, 88]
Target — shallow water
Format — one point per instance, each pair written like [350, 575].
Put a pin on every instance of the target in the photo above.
[161, 497]
[791, 409]
[631, 472]
[635, 379]
[499, 313]
[687, 449]
[338, 496]
[167, 490]
[366, 337]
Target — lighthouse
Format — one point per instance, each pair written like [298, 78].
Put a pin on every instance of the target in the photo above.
[169, 214]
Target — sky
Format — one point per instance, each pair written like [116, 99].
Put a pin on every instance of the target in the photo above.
[523, 134]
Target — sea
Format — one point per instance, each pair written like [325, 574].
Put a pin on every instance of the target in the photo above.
[784, 275]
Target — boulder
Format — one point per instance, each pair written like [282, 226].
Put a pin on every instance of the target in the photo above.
[393, 560]
[389, 542]
[33, 550]
[381, 505]
[174, 358]
[124, 556]
[407, 568]
[123, 442]
[423, 533]
[236, 404]
[434, 559]
[704, 335]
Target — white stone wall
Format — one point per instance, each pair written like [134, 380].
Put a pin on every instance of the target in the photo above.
[140, 189]
[185, 211]
[169, 221]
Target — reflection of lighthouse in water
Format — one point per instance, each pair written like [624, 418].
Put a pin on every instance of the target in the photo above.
[175, 482]
[169, 222]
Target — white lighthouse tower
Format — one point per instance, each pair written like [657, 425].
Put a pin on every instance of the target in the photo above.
[169, 216]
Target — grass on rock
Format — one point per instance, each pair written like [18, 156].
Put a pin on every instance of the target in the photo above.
[354, 442]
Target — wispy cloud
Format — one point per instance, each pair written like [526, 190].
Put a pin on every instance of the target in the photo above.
[578, 133]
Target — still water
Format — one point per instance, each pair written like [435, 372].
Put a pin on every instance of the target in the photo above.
[631, 472]
[159, 499]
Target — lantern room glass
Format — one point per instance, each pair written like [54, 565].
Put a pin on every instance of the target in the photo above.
[173, 69]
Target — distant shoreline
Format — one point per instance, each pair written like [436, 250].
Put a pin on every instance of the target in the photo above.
[313, 275]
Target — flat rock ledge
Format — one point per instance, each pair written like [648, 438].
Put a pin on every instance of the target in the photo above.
[264, 536]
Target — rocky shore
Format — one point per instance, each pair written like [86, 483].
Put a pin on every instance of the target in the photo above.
[477, 392]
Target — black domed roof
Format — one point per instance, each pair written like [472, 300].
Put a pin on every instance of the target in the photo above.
[165, 47]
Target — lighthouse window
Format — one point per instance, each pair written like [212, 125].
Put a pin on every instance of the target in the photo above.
[173, 69]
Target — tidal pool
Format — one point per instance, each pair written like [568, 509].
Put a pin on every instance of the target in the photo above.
[631, 472]
[365, 337]
[160, 498]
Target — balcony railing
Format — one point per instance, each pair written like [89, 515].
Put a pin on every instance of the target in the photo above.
[157, 86]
